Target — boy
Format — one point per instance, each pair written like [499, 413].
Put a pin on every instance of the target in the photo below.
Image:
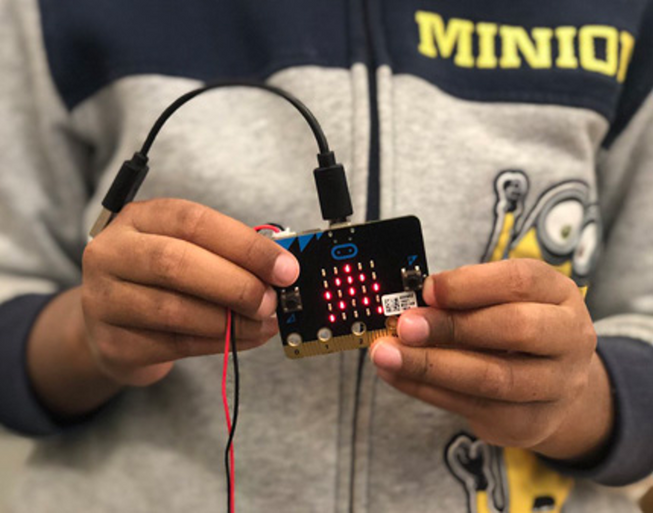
[514, 131]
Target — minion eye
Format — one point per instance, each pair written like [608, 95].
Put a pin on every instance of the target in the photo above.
[585, 253]
[561, 225]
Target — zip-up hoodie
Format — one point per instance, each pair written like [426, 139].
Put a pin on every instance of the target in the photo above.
[511, 129]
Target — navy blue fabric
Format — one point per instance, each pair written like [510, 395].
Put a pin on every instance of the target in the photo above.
[639, 83]
[576, 88]
[629, 456]
[91, 43]
[20, 410]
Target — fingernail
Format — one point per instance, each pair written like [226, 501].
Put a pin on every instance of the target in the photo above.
[286, 269]
[268, 305]
[413, 329]
[386, 356]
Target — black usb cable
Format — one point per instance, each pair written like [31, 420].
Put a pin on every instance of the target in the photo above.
[330, 178]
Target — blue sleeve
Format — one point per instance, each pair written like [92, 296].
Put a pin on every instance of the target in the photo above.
[20, 409]
[629, 455]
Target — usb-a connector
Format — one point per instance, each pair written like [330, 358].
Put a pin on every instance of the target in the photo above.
[101, 222]
[122, 191]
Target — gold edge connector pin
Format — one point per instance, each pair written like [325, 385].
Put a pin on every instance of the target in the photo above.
[319, 347]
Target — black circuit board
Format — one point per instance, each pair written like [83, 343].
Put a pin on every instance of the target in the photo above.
[355, 281]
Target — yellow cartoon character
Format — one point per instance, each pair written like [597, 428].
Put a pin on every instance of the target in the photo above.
[504, 480]
[563, 227]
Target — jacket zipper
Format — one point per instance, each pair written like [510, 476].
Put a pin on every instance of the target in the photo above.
[374, 182]
[373, 210]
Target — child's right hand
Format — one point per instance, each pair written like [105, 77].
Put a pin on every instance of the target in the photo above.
[158, 280]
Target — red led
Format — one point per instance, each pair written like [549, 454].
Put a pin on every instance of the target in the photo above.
[361, 277]
[342, 305]
[338, 282]
[366, 301]
[350, 279]
[380, 309]
[332, 318]
[348, 268]
[352, 291]
[376, 287]
[328, 295]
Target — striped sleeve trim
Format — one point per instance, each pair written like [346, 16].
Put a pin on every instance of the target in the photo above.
[20, 409]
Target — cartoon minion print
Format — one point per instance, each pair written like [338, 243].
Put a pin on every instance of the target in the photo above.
[563, 228]
[508, 480]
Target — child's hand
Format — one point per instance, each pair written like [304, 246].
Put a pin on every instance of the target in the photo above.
[157, 283]
[510, 346]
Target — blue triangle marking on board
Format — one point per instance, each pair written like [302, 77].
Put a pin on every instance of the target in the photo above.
[304, 240]
[291, 319]
[411, 259]
[286, 243]
[318, 235]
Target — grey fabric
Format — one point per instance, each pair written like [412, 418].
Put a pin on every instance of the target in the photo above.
[43, 185]
[621, 298]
